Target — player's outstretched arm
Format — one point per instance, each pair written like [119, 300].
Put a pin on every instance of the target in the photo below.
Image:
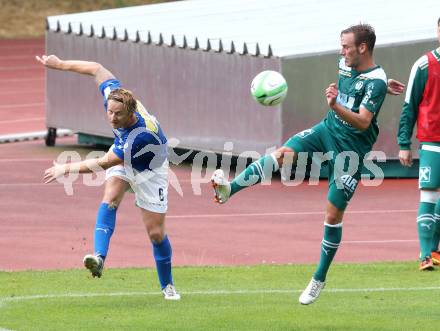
[110, 159]
[394, 87]
[95, 69]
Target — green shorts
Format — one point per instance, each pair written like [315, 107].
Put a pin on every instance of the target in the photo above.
[342, 180]
[429, 166]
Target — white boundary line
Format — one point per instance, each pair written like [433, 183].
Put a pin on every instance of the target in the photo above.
[5, 44]
[26, 67]
[293, 213]
[19, 105]
[32, 135]
[12, 80]
[13, 57]
[27, 160]
[18, 92]
[391, 241]
[23, 120]
[4, 300]
[27, 46]
[32, 184]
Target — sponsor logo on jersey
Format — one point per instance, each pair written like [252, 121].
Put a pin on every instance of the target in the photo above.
[367, 98]
[369, 92]
[305, 133]
[341, 120]
[345, 100]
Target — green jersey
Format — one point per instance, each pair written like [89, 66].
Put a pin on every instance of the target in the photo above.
[357, 89]
[414, 93]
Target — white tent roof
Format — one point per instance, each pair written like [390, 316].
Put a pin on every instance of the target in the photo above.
[291, 27]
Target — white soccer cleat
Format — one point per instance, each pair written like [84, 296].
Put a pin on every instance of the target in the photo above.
[170, 293]
[222, 188]
[95, 264]
[311, 293]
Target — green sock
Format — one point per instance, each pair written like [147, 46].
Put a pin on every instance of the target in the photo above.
[425, 227]
[329, 246]
[436, 236]
[255, 173]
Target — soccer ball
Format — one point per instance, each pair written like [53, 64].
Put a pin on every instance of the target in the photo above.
[269, 88]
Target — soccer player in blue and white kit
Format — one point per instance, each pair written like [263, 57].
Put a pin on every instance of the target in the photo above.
[137, 161]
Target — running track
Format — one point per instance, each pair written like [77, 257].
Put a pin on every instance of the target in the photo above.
[43, 228]
[22, 86]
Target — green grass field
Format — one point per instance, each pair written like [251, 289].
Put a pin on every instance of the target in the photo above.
[386, 296]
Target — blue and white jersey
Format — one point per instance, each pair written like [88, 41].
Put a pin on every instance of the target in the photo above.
[143, 145]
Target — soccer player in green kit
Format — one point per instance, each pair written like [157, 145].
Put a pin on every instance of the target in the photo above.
[349, 131]
[422, 105]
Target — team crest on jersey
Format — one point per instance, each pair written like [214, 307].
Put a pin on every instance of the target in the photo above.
[425, 174]
[359, 85]
[305, 133]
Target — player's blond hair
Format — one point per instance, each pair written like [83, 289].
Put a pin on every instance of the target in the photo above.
[125, 97]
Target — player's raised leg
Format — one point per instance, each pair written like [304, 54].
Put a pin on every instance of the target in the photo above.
[255, 173]
[115, 188]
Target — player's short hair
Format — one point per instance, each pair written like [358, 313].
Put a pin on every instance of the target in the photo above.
[125, 97]
[363, 33]
[438, 22]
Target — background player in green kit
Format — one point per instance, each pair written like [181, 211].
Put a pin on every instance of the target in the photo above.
[346, 134]
[422, 105]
